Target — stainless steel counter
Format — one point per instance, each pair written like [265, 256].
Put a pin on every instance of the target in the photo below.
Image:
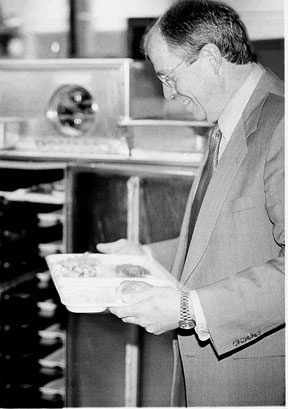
[95, 109]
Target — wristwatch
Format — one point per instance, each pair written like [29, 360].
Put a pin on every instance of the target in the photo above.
[186, 320]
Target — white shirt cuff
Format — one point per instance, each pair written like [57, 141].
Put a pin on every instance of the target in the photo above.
[201, 328]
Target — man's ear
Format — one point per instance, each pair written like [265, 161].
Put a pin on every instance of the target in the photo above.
[212, 54]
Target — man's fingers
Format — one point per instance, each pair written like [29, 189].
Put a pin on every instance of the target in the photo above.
[122, 312]
[130, 320]
[129, 286]
[111, 247]
[131, 310]
[138, 295]
[122, 246]
[104, 247]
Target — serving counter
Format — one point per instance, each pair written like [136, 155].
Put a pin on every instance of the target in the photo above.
[109, 363]
[115, 174]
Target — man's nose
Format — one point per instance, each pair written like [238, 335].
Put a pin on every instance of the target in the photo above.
[169, 93]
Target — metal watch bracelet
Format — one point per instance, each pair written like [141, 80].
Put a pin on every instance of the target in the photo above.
[186, 320]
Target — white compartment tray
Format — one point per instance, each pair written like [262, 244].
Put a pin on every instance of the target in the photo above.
[89, 282]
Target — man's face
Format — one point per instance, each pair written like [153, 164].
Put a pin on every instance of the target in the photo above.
[192, 84]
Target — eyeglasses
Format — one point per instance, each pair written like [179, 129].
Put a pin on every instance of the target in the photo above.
[166, 78]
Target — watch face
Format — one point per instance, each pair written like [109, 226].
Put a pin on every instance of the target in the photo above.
[187, 324]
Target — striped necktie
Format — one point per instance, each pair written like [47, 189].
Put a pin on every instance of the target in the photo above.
[208, 169]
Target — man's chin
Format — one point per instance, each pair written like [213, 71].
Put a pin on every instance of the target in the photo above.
[197, 115]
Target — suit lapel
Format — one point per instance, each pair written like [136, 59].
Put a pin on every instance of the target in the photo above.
[216, 193]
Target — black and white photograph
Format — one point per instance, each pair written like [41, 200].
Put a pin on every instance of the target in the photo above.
[142, 203]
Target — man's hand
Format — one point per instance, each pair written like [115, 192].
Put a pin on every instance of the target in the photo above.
[122, 246]
[154, 308]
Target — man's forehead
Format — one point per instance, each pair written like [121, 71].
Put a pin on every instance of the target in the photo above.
[160, 54]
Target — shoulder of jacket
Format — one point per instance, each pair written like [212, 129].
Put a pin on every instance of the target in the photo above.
[273, 108]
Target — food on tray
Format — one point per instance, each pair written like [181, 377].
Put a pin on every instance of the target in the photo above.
[131, 270]
[75, 266]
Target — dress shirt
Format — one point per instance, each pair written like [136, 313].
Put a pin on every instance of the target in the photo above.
[227, 122]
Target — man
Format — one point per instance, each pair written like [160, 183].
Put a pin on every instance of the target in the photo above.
[230, 252]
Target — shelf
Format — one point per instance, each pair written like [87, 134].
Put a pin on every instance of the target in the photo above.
[23, 195]
[50, 219]
[46, 308]
[21, 279]
[21, 164]
[53, 247]
[55, 359]
[62, 159]
[193, 158]
[56, 387]
[52, 332]
[129, 122]
[34, 205]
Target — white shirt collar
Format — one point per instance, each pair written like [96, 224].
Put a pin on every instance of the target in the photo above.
[234, 109]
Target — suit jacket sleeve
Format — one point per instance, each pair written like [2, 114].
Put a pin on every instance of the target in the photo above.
[164, 252]
[250, 303]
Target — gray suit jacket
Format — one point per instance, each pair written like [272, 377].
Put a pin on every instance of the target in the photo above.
[236, 262]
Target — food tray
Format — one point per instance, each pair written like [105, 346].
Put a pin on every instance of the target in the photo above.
[88, 282]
